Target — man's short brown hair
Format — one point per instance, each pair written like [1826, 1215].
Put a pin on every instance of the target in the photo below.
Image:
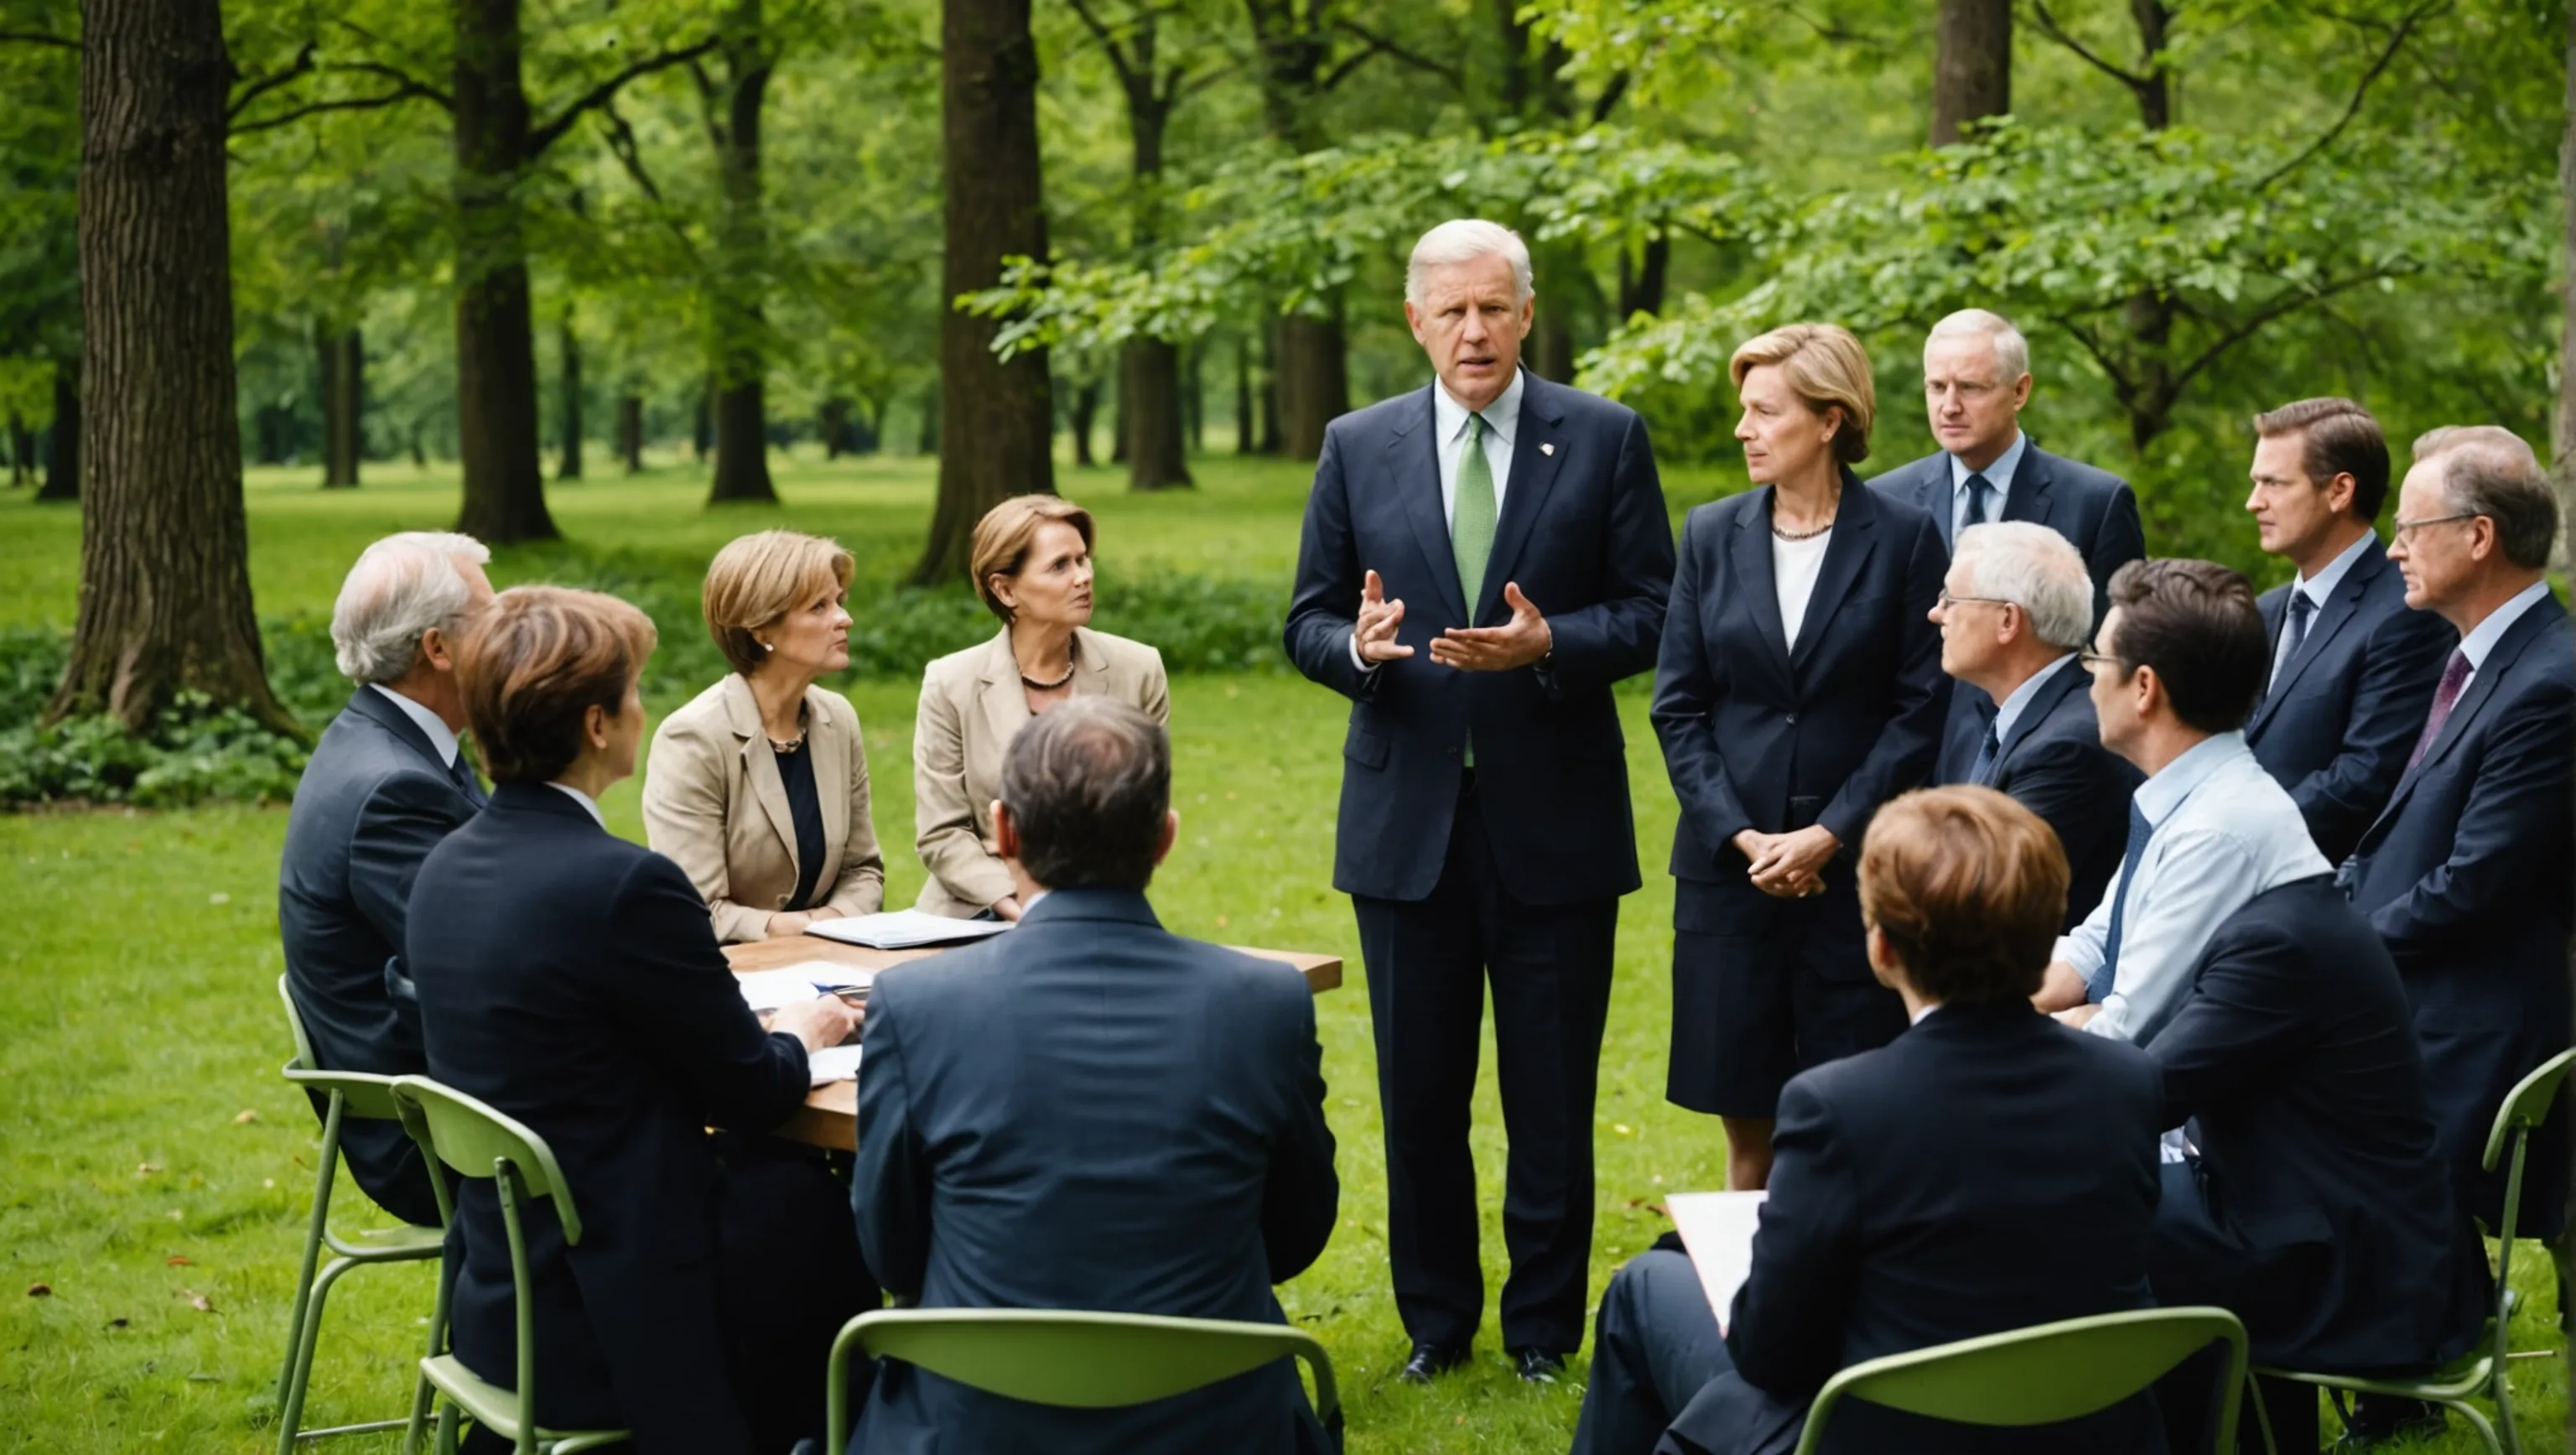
[757, 579]
[534, 663]
[2196, 624]
[1007, 531]
[2336, 437]
[1969, 888]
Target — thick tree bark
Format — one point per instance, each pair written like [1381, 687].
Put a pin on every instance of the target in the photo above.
[63, 441]
[1641, 283]
[1971, 65]
[1194, 395]
[496, 353]
[630, 431]
[1313, 380]
[1080, 417]
[1309, 368]
[1149, 389]
[832, 422]
[742, 366]
[165, 600]
[568, 401]
[340, 359]
[999, 419]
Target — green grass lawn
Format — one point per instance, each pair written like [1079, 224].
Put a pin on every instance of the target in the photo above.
[151, 1160]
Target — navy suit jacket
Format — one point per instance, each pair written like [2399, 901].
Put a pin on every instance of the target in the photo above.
[1091, 1113]
[2053, 763]
[2320, 1211]
[2093, 508]
[1988, 1170]
[1584, 533]
[2337, 726]
[586, 996]
[1762, 733]
[372, 803]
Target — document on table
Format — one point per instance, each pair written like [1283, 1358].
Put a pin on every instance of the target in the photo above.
[1717, 1230]
[833, 1063]
[904, 929]
[768, 990]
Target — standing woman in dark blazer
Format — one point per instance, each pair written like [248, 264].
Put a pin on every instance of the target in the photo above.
[1799, 688]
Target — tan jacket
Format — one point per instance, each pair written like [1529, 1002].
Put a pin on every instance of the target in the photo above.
[972, 705]
[715, 805]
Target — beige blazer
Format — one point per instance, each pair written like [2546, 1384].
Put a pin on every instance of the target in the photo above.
[972, 705]
[715, 805]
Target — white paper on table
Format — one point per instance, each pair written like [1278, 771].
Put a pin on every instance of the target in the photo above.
[1717, 1230]
[833, 1063]
[904, 929]
[768, 990]
[828, 974]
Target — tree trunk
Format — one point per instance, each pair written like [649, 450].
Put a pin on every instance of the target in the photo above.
[1247, 437]
[1309, 369]
[742, 366]
[2155, 98]
[339, 359]
[1551, 340]
[1194, 395]
[630, 431]
[832, 422]
[1270, 389]
[1641, 283]
[702, 421]
[1149, 393]
[1313, 381]
[22, 450]
[925, 440]
[165, 601]
[1083, 414]
[63, 441]
[568, 404]
[496, 350]
[1118, 418]
[1971, 65]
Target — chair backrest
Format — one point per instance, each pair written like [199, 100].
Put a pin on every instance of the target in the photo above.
[2528, 1104]
[1073, 1359]
[362, 1093]
[476, 1141]
[2044, 1374]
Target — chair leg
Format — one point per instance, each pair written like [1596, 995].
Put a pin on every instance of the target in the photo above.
[290, 1408]
[2479, 1423]
[422, 1396]
[2503, 1393]
[447, 1429]
[2262, 1417]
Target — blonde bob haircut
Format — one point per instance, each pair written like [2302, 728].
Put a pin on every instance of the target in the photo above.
[1826, 367]
[1004, 537]
[757, 579]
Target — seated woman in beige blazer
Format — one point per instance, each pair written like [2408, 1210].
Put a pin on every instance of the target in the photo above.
[1032, 565]
[759, 787]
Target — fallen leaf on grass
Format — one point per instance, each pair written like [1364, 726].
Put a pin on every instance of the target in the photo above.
[146, 1169]
[116, 1323]
[1656, 1208]
[248, 1115]
[176, 1261]
[40, 1290]
[205, 1379]
[197, 1301]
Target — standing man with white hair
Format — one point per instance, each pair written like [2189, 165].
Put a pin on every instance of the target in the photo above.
[386, 784]
[1482, 559]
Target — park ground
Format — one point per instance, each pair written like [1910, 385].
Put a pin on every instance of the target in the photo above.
[155, 1172]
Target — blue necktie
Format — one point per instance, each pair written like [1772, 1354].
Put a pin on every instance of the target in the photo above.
[1983, 773]
[2097, 986]
[466, 783]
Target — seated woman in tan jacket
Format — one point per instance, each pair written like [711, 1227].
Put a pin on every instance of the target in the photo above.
[1032, 565]
[759, 787]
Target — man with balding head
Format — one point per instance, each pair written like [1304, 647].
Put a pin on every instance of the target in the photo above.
[2465, 874]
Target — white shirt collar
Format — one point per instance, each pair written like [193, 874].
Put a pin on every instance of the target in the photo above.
[1503, 416]
[440, 739]
[2320, 587]
[1999, 474]
[1925, 1011]
[2160, 795]
[2009, 711]
[584, 799]
[2478, 643]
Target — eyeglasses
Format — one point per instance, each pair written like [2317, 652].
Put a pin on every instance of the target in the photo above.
[2398, 530]
[1945, 600]
[2093, 661]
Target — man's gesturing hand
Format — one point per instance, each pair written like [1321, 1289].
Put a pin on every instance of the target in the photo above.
[1521, 641]
[1375, 637]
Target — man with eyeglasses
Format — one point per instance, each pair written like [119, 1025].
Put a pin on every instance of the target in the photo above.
[2013, 611]
[2466, 873]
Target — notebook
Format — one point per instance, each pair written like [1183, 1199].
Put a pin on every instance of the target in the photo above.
[833, 1063]
[904, 929]
[1717, 1230]
[768, 990]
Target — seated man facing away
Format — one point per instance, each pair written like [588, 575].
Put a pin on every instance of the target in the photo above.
[2317, 1206]
[385, 785]
[1091, 1113]
[1987, 1171]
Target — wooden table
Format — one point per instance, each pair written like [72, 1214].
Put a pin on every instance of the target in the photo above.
[830, 1116]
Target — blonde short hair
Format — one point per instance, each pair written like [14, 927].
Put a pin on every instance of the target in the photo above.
[1007, 531]
[532, 667]
[1826, 367]
[757, 579]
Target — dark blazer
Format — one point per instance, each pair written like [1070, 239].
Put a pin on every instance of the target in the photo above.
[2320, 1210]
[372, 803]
[1584, 533]
[2093, 508]
[2053, 763]
[2466, 876]
[1091, 1113]
[1988, 1170]
[587, 998]
[1763, 733]
[2336, 729]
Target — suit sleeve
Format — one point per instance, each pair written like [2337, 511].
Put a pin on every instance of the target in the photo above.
[2400, 668]
[2067, 786]
[405, 818]
[1301, 1197]
[2122, 538]
[1615, 637]
[943, 811]
[684, 822]
[2517, 800]
[2244, 1016]
[890, 1185]
[1157, 700]
[1902, 757]
[1787, 1325]
[1687, 693]
[1324, 610]
[682, 1005]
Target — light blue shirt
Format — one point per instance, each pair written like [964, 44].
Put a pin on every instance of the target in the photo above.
[588, 805]
[2478, 643]
[1449, 426]
[440, 738]
[2225, 831]
[2319, 589]
[2009, 711]
[1999, 475]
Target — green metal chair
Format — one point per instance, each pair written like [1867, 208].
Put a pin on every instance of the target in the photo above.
[346, 1094]
[2040, 1375]
[1075, 1360]
[2481, 1371]
[474, 1140]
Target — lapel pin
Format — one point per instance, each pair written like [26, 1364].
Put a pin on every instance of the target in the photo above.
[1546, 448]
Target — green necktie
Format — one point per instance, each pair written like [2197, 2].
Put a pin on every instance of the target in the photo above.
[1471, 529]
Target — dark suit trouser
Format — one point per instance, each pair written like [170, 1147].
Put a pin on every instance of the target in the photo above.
[1428, 962]
[1654, 1346]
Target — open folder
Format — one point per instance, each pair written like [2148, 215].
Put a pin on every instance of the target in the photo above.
[1717, 1231]
[904, 929]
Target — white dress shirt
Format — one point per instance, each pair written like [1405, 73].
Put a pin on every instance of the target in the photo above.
[2225, 831]
[1999, 475]
[1794, 568]
[2319, 589]
[588, 805]
[2009, 711]
[427, 721]
[2481, 641]
[1449, 429]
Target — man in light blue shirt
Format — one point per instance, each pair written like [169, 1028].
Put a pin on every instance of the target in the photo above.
[2181, 657]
